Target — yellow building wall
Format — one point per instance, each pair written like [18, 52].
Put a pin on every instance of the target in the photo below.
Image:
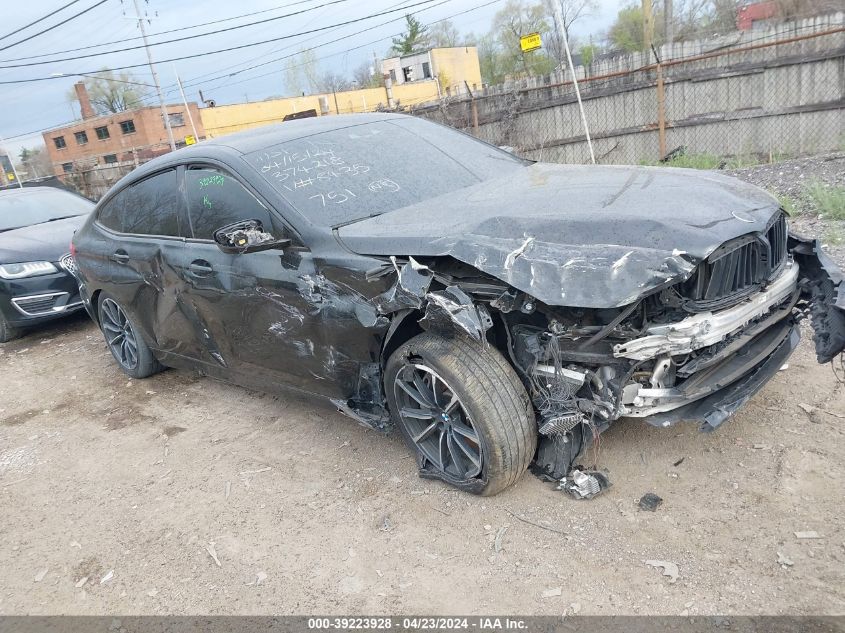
[454, 66]
[226, 119]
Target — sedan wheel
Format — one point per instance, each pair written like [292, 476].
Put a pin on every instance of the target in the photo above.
[438, 425]
[120, 337]
[462, 410]
[125, 342]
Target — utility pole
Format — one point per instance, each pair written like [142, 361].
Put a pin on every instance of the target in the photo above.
[155, 76]
[185, 101]
[562, 27]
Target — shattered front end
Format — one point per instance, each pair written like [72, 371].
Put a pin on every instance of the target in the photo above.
[695, 351]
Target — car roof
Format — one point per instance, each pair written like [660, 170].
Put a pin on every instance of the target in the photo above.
[18, 191]
[260, 138]
[253, 140]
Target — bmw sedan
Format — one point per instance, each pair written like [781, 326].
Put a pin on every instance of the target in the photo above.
[497, 311]
[37, 282]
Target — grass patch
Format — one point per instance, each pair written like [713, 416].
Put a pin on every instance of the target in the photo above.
[790, 205]
[834, 236]
[708, 161]
[830, 201]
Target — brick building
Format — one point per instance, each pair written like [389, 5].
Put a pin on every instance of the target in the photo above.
[126, 139]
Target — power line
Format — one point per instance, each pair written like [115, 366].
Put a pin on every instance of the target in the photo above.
[229, 49]
[130, 39]
[55, 26]
[348, 50]
[41, 19]
[139, 101]
[177, 39]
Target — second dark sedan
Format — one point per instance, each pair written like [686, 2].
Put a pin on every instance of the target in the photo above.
[496, 311]
[37, 282]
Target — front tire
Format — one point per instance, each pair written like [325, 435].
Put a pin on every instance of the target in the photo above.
[463, 410]
[7, 332]
[124, 341]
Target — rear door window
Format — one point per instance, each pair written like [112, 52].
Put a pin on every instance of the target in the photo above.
[216, 199]
[150, 207]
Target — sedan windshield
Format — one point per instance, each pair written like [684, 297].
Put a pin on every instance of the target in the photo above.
[351, 173]
[36, 206]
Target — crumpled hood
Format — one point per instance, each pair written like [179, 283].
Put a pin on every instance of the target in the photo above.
[575, 235]
[39, 242]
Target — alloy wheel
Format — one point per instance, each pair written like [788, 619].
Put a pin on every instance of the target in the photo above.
[120, 337]
[437, 423]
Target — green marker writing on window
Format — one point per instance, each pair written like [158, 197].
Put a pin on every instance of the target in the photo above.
[206, 202]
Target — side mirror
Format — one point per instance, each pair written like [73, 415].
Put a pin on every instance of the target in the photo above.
[247, 236]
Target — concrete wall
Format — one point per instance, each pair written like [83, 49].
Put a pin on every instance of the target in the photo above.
[788, 98]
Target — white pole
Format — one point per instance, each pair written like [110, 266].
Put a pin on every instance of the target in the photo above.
[560, 25]
[187, 108]
[155, 77]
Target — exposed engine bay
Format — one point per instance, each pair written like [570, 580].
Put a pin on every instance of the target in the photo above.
[694, 350]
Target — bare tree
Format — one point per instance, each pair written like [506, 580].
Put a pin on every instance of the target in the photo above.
[110, 93]
[445, 34]
[571, 12]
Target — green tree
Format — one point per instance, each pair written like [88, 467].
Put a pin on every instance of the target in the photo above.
[515, 19]
[109, 93]
[35, 162]
[626, 33]
[412, 40]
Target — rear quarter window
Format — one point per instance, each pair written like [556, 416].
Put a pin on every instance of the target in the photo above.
[150, 207]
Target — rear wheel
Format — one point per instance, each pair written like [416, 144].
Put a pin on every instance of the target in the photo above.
[463, 410]
[7, 332]
[124, 342]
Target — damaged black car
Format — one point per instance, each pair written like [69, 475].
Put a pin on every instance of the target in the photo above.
[499, 312]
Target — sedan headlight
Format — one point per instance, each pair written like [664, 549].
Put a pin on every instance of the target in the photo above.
[26, 269]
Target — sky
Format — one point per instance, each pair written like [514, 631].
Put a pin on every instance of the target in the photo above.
[33, 106]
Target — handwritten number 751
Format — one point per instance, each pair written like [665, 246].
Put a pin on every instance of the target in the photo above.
[336, 197]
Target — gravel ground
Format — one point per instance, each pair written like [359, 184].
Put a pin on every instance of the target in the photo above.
[790, 178]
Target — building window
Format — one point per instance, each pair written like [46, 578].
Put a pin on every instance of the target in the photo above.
[127, 127]
[426, 70]
[60, 142]
[67, 168]
[102, 132]
[81, 137]
[177, 119]
[110, 159]
[408, 73]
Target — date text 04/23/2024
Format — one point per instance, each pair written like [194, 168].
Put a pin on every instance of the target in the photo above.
[420, 623]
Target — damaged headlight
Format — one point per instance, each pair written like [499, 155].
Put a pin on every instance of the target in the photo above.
[26, 269]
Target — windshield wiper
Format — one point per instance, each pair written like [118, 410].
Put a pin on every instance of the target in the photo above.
[64, 217]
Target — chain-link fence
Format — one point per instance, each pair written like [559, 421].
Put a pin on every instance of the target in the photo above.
[758, 95]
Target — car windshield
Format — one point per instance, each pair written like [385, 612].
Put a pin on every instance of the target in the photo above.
[25, 208]
[347, 174]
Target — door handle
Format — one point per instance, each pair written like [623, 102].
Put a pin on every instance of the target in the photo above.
[200, 268]
[121, 257]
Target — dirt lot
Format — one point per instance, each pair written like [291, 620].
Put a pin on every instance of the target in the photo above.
[114, 493]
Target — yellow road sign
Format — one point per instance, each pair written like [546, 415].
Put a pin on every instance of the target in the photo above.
[530, 42]
[190, 140]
